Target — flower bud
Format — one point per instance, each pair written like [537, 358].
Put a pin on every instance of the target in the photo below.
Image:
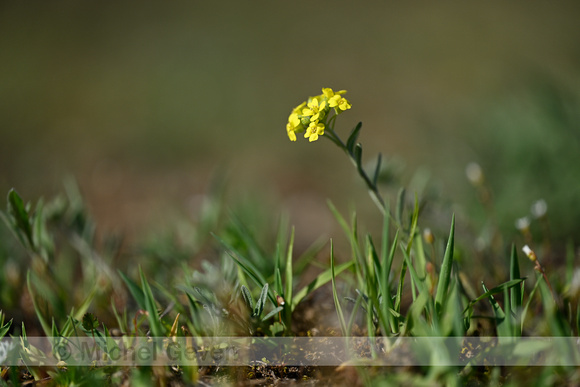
[428, 236]
[530, 253]
[474, 174]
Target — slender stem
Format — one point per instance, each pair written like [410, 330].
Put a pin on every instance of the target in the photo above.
[373, 189]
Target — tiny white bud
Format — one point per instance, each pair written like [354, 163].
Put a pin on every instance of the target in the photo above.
[539, 208]
[428, 236]
[474, 173]
[523, 223]
[530, 253]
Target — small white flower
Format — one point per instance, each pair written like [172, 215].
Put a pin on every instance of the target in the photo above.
[539, 208]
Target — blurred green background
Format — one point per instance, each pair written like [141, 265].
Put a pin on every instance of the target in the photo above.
[141, 104]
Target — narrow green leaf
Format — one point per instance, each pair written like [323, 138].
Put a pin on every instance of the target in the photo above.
[445, 273]
[157, 329]
[414, 220]
[502, 329]
[278, 282]
[357, 156]
[288, 273]
[387, 303]
[417, 280]
[47, 330]
[4, 328]
[400, 206]
[399, 295]
[340, 219]
[261, 301]
[515, 293]
[247, 298]
[320, 280]
[247, 266]
[497, 289]
[452, 318]
[135, 290]
[352, 138]
[244, 233]
[335, 294]
[196, 318]
[377, 169]
[272, 313]
[20, 215]
[509, 322]
[385, 236]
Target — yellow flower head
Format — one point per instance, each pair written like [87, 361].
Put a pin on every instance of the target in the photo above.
[312, 115]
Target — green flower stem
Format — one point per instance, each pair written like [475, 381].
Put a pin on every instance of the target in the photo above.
[372, 187]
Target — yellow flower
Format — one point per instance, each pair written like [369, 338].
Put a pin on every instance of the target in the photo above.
[293, 120]
[328, 93]
[336, 101]
[314, 109]
[314, 130]
[293, 125]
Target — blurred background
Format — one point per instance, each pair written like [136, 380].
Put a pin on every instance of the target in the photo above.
[143, 104]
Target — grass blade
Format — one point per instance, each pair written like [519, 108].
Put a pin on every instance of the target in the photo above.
[445, 273]
[335, 294]
[155, 324]
[288, 273]
[135, 290]
[516, 291]
[322, 279]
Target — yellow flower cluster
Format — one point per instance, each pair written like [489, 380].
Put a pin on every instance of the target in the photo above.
[311, 117]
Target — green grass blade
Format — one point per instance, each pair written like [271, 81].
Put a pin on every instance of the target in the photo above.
[320, 280]
[400, 287]
[340, 219]
[20, 216]
[45, 327]
[400, 207]
[500, 317]
[4, 328]
[516, 291]
[377, 169]
[288, 273]
[335, 294]
[418, 282]
[135, 290]
[445, 273]
[414, 220]
[272, 313]
[497, 289]
[156, 327]
[278, 282]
